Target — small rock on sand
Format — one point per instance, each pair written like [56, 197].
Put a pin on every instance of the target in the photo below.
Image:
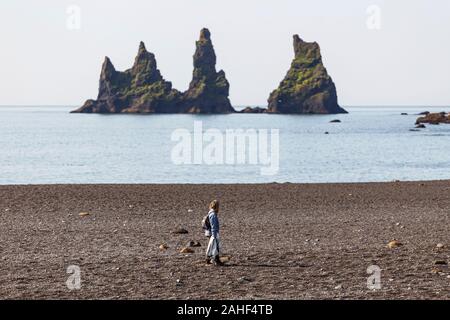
[186, 250]
[84, 214]
[224, 259]
[244, 280]
[180, 231]
[440, 262]
[163, 247]
[394, 244]
[194, 244]
[440, 245]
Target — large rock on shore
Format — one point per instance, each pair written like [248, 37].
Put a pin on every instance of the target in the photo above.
[140, 89]
[307, 87]
[434, 118]
[208, 91]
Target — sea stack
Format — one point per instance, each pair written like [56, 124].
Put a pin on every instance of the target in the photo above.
[140, 89]
[208, 91]
[307, 87]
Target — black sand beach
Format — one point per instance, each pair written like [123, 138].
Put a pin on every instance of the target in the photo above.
[286, 241]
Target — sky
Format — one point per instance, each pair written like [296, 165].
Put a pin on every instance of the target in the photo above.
[379, 53]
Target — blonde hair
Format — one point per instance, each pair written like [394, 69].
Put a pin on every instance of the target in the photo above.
[214, 205]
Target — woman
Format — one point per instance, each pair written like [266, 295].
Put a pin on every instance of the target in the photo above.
[212, 252]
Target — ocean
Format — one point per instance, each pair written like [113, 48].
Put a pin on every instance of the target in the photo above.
[48, 145]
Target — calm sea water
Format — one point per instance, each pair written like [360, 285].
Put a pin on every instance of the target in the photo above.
[46, 145]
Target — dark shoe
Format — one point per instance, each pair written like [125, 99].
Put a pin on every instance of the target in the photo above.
[217, 262]
[208, 261]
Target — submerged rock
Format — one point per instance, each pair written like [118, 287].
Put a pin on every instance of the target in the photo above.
[208, 91]
[434, 118]
[307, 87]
[253, 110]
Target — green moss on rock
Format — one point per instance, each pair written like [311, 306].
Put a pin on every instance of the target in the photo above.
[142, 89]
[307, 87]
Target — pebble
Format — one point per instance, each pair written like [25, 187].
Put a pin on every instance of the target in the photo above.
[186, 250]
[180, 231]
[163, 247]
[394, 244]
[440, 245]
[338, 287]
[194, 244]
[244, 279]
[84, 214]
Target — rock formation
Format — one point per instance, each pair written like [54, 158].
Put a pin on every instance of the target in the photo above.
[253, 110]
[209, 89]
[434, 118]
[307, 87]
[140, 89]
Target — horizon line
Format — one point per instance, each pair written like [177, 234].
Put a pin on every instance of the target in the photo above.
[252, 105]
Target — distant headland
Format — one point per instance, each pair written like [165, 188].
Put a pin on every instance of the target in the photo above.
[306, 89]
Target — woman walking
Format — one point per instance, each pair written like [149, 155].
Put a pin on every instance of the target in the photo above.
[212, 230]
